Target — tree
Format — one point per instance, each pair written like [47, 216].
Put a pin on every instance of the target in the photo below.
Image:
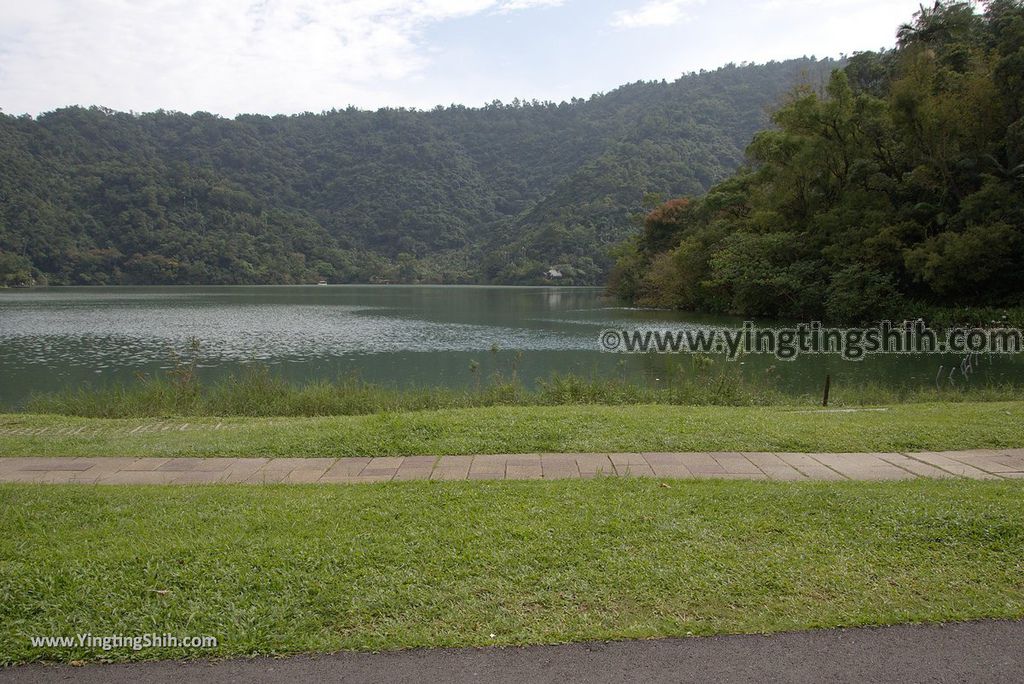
[901, 185]
[15, 270]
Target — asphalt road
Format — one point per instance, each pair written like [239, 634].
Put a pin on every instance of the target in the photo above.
[990, 651]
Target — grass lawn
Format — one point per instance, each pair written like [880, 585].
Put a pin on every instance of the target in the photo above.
[321, 568]
[528, 429]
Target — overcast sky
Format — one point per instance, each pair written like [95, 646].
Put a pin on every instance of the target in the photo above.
[286, 56]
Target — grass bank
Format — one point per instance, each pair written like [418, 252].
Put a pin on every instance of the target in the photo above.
[528, 429]
[276, 570]
[181, 393]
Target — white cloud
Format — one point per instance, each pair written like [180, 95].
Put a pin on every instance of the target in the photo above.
[515, 5]
[225, 56]
[791, 5]
[656, 13]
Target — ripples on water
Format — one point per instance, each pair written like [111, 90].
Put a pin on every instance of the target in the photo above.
[51, 338]
[250, 333]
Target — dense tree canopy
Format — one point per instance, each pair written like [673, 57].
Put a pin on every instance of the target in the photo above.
[493, 194]
[902, 181]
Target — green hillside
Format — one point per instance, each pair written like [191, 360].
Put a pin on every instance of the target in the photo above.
[493, 194]
[896, 191]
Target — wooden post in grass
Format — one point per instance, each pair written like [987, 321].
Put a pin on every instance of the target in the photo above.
[828, 386]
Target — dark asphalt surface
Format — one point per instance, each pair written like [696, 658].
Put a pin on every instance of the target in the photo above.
[972, 652]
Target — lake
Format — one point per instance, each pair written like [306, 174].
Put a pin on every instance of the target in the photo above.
[396, 335]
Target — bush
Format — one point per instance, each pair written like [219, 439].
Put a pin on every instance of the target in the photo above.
[861, 295]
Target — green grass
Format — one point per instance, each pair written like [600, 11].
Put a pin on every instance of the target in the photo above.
[274, 570]
[181, 393]
[529, 429]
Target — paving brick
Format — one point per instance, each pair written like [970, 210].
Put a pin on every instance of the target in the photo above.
[284, 465]
[980, 463]
[669, 465]
[701, 464]
[25, 476]
[454, 462]
[100, 466]
[634, 470]
[446, 474]
[9, 464]
[378, 473]
[809, 467]
[916, 467]
[627, 459]
[267, 476]
[990, 461]
[951, 465]
[1014, 463]
[765, 459]
[784, 474]
[348, 466]
[408, 474]
[139, 477]
[488, 465]
[57, 463]
[524, 472]
[483, 476]
[676, 472]
[193, 465]
[338, 479]
[293, 463]
[590, 465]
[529, 460]
[774, 467]
[419, 461]
[145, 464]
[242, 469]
[305, 475]
[493, 458]
[199, 477]
[70, 477]
[863, 466]
[54, 477]
[735, 463]
[381, 462]
[381, 476]
[561, 465]
[662, 458]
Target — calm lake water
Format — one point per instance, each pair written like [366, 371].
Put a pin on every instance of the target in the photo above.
[396, 335]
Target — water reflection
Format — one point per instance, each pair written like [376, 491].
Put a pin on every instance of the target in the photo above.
[51, 338]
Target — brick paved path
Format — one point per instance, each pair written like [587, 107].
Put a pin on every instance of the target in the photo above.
[980, 464]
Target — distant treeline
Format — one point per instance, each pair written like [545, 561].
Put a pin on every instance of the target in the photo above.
[899, 188]
[501, 193]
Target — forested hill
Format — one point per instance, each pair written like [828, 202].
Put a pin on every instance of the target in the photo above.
[494, 194]
[899, 188]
